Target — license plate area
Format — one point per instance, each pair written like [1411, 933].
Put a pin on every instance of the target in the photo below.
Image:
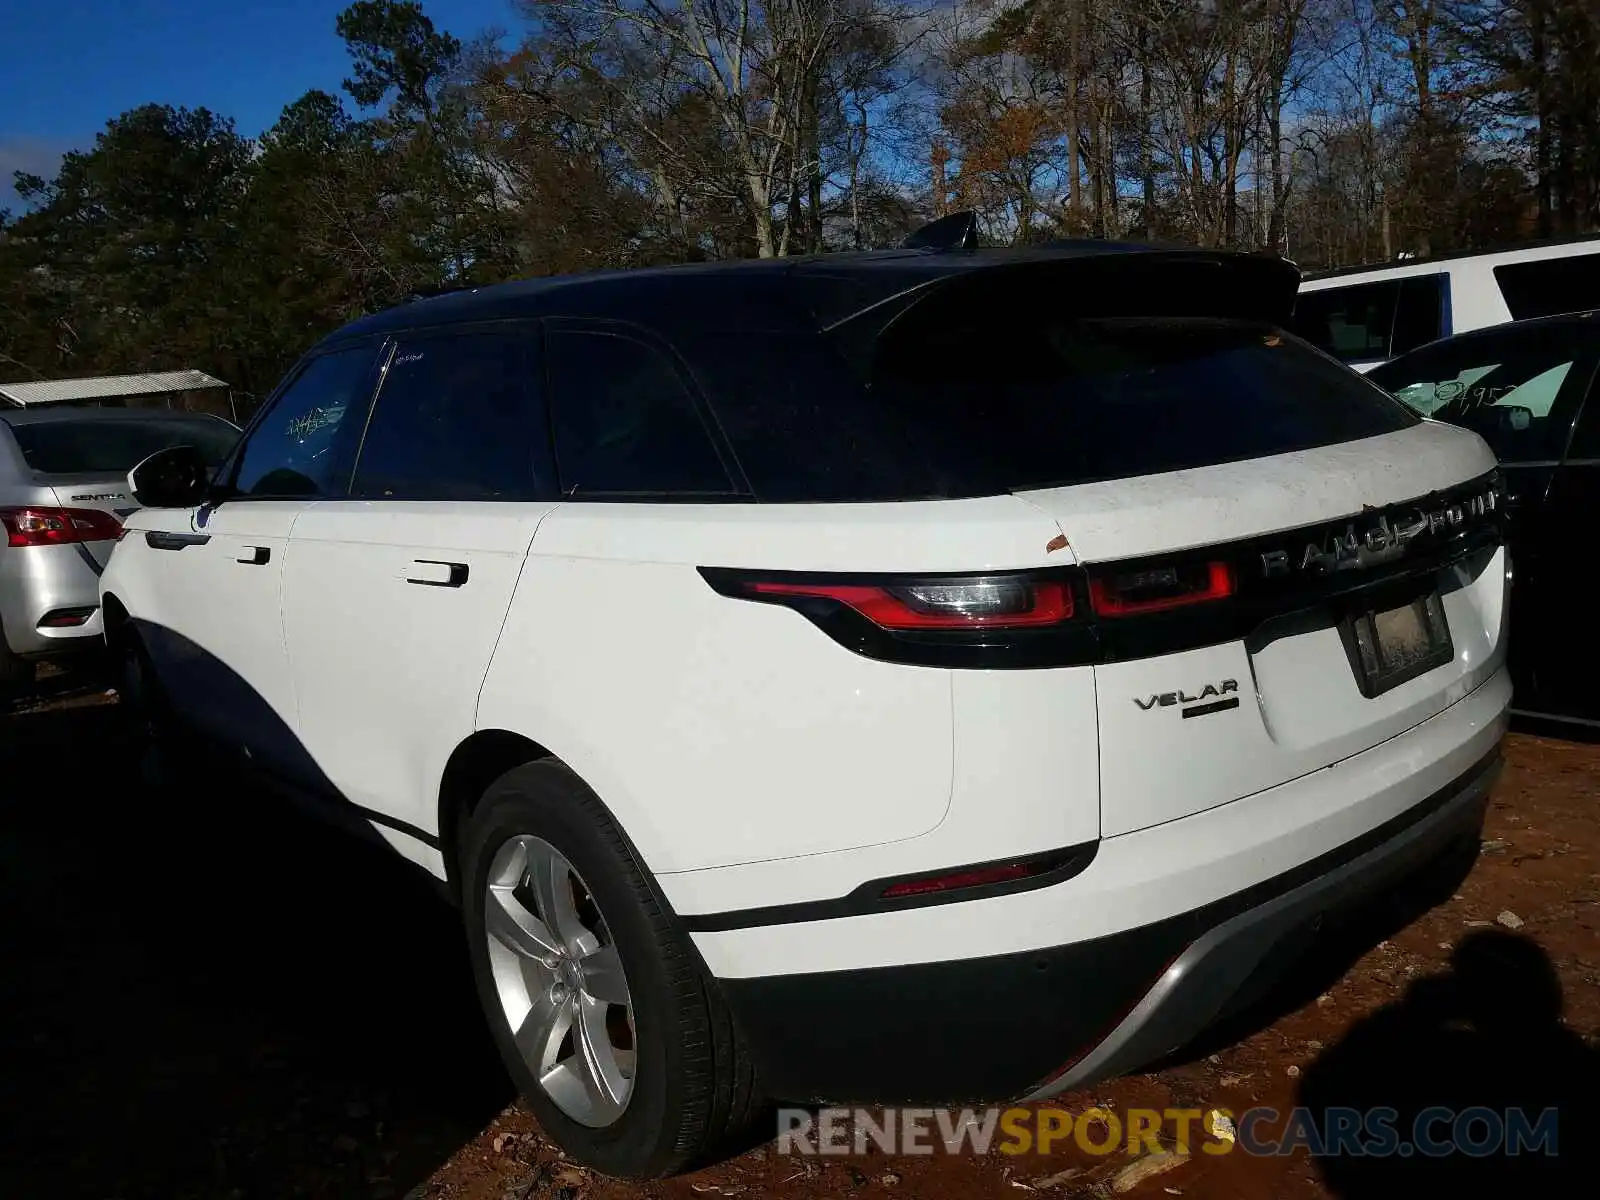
[1389, 646]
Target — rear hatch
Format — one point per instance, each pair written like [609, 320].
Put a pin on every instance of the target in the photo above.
[81, 458]
[1390, 542]
[1285, 567]
[1281, 565]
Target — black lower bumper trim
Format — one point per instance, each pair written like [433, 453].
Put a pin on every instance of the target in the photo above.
[987, 1029]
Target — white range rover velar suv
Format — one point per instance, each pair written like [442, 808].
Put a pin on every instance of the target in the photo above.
[920, 676]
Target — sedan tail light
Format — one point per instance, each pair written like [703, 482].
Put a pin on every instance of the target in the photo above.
[38, 526]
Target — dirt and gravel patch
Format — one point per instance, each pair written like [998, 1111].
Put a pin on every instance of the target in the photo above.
[208, 996]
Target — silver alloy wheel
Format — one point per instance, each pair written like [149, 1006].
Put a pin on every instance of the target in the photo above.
[560, 981]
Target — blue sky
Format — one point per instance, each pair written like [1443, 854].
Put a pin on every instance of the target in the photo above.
[71, 65]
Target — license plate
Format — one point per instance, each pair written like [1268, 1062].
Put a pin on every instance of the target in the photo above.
[1390, 646]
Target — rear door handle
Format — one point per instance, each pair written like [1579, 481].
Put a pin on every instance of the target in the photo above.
[255, 556]
[432, 573]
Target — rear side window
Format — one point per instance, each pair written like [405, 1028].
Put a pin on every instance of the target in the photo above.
[116, 446]
[979, 399]
[625, 421]
[1419, 316]
[1517, 388]
[1550, 286]
[456, 419]
[1367, 321]
[1351, 323]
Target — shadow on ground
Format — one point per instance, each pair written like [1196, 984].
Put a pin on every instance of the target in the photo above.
[215, 995]
[1450, 1068]
[1483, 1035]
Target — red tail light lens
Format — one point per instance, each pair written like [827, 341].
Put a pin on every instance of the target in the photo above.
[58, 526]
[67, 618]
[1005, 602]
[957, 881]
[1157, 589]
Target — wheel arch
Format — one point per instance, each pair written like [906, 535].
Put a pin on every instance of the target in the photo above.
[115, 619]
[473, 765]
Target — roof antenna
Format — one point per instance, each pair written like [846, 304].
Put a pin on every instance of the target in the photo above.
[958, 231]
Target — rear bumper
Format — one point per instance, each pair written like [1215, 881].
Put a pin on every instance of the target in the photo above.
[36, 581]
[1040, 1022]
[1034, 1022]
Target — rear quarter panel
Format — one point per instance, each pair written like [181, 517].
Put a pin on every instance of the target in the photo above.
[723, 732]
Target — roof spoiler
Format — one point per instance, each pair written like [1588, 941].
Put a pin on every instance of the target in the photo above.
[1123, 283]
[958, 231]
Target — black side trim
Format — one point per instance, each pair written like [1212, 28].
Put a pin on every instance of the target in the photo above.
[1056, 866]
[157, 540]
[411, 831]
[322, 802]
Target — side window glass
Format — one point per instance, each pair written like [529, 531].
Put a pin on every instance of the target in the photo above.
[1514, 391]
[1549, 286]
[1418, 317]
[1351, 323]
[624, 421]
[296, 448]
[456, 419]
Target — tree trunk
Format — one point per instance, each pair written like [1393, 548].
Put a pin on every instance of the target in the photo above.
[1542, 106]
[1231, 132]
[1147, 174]
[1074, 173]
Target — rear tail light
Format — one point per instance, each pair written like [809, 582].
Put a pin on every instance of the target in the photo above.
[1057, 616]
[999, 602]
[37, 526]
[1160, 588]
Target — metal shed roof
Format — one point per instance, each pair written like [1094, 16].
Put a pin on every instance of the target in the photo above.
[64, 391]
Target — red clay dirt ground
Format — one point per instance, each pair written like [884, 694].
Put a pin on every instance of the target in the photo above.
[208, 996]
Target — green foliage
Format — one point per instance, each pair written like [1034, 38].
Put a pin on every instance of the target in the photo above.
[395, 48]
[621, 133]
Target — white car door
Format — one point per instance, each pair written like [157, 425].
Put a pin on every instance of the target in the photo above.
[394, 596]
[209, 603]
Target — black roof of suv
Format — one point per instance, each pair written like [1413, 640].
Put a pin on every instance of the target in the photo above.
[828, 290]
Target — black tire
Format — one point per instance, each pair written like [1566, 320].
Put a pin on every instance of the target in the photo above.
[694, 1089]
[147, 717]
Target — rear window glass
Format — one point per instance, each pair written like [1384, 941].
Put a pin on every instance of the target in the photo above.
[111, 446]
[985, 401]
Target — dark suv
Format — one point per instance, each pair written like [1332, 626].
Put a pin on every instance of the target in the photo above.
[1529, 389]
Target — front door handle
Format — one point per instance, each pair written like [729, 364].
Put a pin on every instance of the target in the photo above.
[432, 573]
[255, 556]
[158, 539]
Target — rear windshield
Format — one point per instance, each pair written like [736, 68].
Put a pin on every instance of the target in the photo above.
[998, 402]
[115, 445]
